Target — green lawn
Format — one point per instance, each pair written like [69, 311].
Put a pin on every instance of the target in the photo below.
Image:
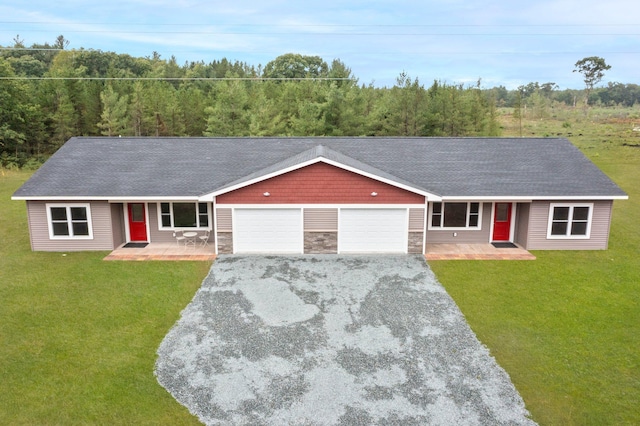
[566, 327]
[78, 335]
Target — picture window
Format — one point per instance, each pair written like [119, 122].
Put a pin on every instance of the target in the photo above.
[184, 215]
[456, 215]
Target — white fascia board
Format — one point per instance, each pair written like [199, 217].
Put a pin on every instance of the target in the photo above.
[380, 179]
[529, 199]
[102, 198]
[151, 199]
[487, 199]
[584, 198]
[430, 196]
[320, 206]
[58, 198]
[259, 179]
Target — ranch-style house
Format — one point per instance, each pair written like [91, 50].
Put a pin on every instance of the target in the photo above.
[319, 194]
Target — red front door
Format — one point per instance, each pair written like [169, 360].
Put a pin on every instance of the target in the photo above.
[502, 222]
[137, 222]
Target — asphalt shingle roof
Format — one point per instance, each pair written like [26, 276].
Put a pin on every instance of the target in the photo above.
[190, 167]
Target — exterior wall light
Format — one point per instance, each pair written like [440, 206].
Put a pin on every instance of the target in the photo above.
[374, 194]
[266, 194]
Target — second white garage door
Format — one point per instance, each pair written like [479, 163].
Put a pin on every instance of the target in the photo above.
[373, 231]
[267, 231]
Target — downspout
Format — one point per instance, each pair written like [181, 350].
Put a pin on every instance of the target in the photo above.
[424, 226]
[214, 229]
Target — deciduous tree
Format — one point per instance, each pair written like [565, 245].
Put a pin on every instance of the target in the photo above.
[592, 69]
[293, 65]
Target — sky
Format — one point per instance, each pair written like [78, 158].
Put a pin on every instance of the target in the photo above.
[501, 42]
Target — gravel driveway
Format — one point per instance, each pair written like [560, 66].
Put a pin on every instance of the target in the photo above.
[328, 340]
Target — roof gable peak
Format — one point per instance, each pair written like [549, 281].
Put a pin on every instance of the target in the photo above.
[324, 154]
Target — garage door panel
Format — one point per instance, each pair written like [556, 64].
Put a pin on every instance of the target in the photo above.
[268, 231]
[373, 231]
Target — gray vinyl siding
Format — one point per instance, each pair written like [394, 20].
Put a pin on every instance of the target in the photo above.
[223, 219]
[117, 224]
[224, 230]
[539, 219]
[522, 224]
[30, 225]
[156, 235]
[100, 220]
[416, 219]
[441, 236]
[321, 220]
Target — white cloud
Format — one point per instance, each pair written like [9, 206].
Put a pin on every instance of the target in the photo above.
[449, 40]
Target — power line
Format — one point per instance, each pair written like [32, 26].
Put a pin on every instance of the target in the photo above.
[183, 78]
[190, 24]
[36, 48]
[310, 28]
[359, 52]
[338, 34]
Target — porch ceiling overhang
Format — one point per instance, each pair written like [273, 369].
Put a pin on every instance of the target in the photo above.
[315, 155]
[111, 199]
[528, 199]
[430, 197]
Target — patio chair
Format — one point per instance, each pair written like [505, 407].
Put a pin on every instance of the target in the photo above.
[204, 238]
[179, 236]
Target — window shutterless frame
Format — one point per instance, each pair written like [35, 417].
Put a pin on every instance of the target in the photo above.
[184, 215]
[570, 221]
[70, 221]
[455, 216]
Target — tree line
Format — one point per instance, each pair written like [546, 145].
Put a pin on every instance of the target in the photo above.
[49, 94]
[613, 94]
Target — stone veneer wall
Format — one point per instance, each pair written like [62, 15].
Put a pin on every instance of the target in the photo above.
[415, 242]
[225, 243]
[320, 242]
[317, 242]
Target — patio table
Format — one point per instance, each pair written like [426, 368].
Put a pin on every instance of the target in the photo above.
[190, 238]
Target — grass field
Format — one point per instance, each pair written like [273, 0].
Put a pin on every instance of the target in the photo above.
[566, 327]
[78, 335]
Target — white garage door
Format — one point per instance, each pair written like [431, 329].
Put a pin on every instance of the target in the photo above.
[373, 231]
[267, 231]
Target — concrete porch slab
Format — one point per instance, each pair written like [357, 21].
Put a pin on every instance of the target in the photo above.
[475, 252]
[163, 251]
[170, 251]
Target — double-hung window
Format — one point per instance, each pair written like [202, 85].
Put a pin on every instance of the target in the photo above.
[69, 221]
[465, 215]
[569, 220]
[184, 215]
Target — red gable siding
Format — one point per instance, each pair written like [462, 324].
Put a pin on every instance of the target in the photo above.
[320, 183]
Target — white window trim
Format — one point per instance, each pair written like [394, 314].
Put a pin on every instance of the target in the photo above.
[459, 228]
[571, 206]
[173, 227]
[68, 207]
